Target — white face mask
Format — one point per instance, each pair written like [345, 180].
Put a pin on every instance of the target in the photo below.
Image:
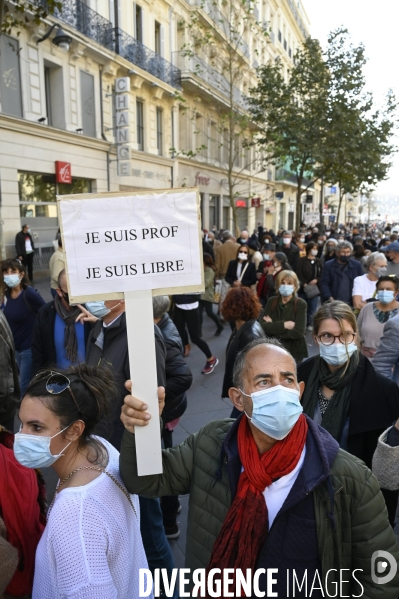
[301, 239]
[314, 252]
[286, 240]
[242, 256]
[33, 451]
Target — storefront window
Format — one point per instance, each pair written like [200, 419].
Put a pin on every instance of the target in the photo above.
[37, 193]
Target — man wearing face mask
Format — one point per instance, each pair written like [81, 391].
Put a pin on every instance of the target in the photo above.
[271, 489]
[392, 254]
[290, 250]
[59, 339]
[336, 282]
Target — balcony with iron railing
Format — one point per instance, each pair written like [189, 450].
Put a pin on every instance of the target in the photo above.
[192, 64]
[297, 18]
[79, 16]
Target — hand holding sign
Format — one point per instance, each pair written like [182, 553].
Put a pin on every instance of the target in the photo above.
[130, 247]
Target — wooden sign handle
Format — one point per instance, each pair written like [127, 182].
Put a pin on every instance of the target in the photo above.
[143, 373]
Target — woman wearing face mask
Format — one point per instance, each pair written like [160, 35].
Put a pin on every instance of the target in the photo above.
[91, 546]
[374, 315]
[309, 271]
[364, 287]
[299, 240]
[284, 316]
[262, 289]
[20, 304]
[328, 251]
[280, 262]
[343, 392]
[241, 271]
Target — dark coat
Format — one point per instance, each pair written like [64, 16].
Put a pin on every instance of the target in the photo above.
[20, 243]
[9, 379]
[331, 278]
[43, 345]
[306, 268]
[114, 355]
[292, 255]
[178, 373]
[238, 340]
[293, 340]
[374, 405]
[249, 277]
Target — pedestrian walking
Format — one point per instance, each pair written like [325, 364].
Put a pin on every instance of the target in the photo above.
[328, 251]
[344, 393]
[21, 304]
[309, 272]
[290, 250]
[284, 316]
[262, 288]
[374, 315]
[241, 271]
[186, 313]
[25, 250]
[207, 298]
[392, 254]
[223, 256]
[91, 546]
[271, 489]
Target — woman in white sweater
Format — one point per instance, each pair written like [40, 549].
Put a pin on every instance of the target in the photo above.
[91, 547]
[374, 315]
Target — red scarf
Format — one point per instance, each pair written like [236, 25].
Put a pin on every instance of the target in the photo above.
[246, 524]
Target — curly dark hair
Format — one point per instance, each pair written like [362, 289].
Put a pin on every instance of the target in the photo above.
[240, 303]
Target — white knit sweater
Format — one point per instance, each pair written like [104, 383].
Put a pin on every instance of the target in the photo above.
[91, 547]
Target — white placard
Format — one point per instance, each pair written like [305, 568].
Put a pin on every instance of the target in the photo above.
[116, 243]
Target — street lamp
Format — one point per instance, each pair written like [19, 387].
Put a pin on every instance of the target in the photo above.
[61, 39]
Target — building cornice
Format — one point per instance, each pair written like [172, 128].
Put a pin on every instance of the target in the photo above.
[19, 125]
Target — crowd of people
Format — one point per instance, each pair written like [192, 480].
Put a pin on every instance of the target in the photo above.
[287, 474]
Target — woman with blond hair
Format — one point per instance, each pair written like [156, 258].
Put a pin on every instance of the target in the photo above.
[284, 316]
[343, 393]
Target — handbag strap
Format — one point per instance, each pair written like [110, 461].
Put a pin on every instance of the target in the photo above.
[243, 271]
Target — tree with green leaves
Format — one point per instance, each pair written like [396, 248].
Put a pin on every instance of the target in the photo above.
[320, 121]
[16, 15]
[216, 49]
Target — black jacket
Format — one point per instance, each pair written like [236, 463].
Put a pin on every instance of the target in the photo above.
[307, 271]
[249, 277]
[43, 346]
[114, 355]
[292, 254]
[249, 331]
[20, 243]
[374, 406]
[178, 373]
[9, 378]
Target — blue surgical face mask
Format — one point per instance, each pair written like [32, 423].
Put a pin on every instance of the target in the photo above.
[33, 451]
[12, 280]
[275, 410]
[286, 290]
[386, 296]
[266, 256]
[98, 309]
[337, 353]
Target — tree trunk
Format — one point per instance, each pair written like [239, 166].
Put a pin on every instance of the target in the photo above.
[341, 195]
[298, 208]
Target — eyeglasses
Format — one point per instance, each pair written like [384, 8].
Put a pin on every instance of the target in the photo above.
[329, 339]
[57, 383]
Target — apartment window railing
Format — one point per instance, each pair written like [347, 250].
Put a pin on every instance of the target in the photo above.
[78, 15]
[280, 37]
[297, 18]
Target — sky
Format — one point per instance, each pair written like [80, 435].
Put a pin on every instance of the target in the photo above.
[375, 23]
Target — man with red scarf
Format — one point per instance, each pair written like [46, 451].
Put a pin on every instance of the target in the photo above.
[272, 489]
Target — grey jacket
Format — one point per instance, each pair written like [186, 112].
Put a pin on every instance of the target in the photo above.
[9, 380]
[386, 359]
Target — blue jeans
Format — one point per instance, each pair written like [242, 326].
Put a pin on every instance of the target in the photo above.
[312, 307]
[24, 361]
[155, 543]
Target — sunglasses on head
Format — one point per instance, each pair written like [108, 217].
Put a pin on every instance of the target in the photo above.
[57, 383]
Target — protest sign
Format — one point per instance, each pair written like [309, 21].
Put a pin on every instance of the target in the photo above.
[131, 246]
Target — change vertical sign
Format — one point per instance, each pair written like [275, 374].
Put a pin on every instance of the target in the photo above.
[132, 246]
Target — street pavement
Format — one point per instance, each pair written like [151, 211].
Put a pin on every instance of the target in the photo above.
[204, 405]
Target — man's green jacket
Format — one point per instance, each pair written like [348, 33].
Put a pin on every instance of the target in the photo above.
[350, 513]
